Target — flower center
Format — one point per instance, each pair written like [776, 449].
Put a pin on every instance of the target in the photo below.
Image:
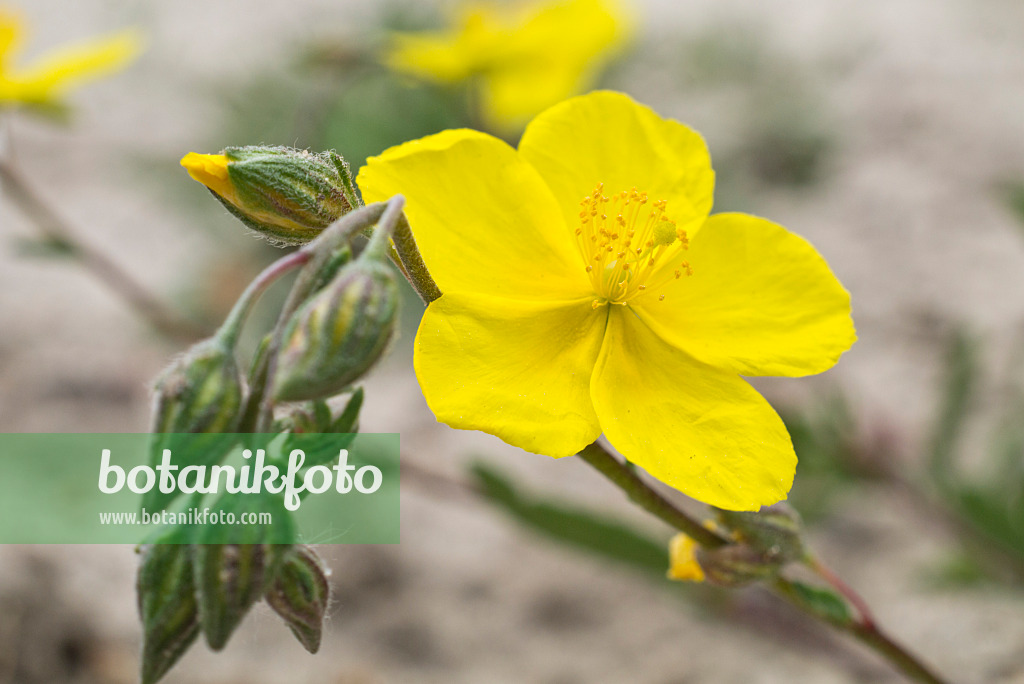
[622, 240]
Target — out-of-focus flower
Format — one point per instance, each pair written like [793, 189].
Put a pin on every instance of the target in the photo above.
[524, 57]
[46, 81]
[586, 290]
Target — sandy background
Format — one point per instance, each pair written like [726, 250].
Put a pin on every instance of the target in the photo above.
[921, 102]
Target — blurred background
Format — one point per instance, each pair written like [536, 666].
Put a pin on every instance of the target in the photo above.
[889, 134]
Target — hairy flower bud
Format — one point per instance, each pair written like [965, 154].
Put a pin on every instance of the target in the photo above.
[167, 606]
[284, 194]
[299, 594]
[774, 531]
[337, 336]
[199, 392]
[230, 578]
[736, 565]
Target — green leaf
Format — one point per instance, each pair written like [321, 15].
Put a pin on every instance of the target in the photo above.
[1014, 193]
[348, 421]
[45, 248]
[822, 601]
[572, 526]
[962, 378]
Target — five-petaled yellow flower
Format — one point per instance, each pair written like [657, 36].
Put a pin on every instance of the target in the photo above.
[587, 290]
[524, 57]
[47, 80]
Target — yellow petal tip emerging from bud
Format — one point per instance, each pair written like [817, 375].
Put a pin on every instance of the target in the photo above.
[211, 170]
[683, 565]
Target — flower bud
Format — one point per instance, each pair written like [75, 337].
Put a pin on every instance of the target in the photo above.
[774, 531]
[284, 194]
[167, 606]
[230, 578]
[736, 565]
[299, 594]
[338, 335]
[200, 392]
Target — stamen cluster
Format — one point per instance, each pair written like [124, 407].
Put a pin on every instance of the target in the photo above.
[621, 241]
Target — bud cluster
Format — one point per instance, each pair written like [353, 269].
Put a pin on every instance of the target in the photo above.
[337, 323]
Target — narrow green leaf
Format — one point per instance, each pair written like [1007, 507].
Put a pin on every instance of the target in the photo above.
[962, 377]
[822, 601]
[572, 526]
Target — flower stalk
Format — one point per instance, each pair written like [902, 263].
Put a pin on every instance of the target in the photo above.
[53, 229]
[863, 628]
[259, 411]
[625, 477]
[411, 262]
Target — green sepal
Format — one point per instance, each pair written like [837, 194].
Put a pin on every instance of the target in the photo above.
[167, 604]
[338, 334]
[299, 594]
[230, 578]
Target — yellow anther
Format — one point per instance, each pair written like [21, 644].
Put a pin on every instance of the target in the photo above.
[625, 243]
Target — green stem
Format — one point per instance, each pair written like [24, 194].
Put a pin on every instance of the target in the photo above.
[648, 499]
[865, 629]
[626, 478]
[259, 412]
[412, 263]
[380, 242]
[902, 659]
[232, 326]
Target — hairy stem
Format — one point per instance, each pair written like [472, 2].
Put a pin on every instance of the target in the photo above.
[161, 317]
[624, 476]
[647, 498]
[232, 325]
[259, 412]
[864, 629]
[412, 262]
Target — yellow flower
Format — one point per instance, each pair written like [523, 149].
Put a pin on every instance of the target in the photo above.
[46, 81]
[524, 57]
[587, 290]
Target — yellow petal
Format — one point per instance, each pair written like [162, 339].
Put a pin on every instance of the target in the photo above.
[518, 370]
[12, 28]
[526, 56]
[606, 137]
[436, 57]
[704, 431]
[212, 171]
[682, 560]
[509, 98]
[483, 219]
[557, 53]
[761, 301]
[52, 76]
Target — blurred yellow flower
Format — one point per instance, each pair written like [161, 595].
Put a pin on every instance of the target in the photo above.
[47, 80]
[524, 57]
[576, 304]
